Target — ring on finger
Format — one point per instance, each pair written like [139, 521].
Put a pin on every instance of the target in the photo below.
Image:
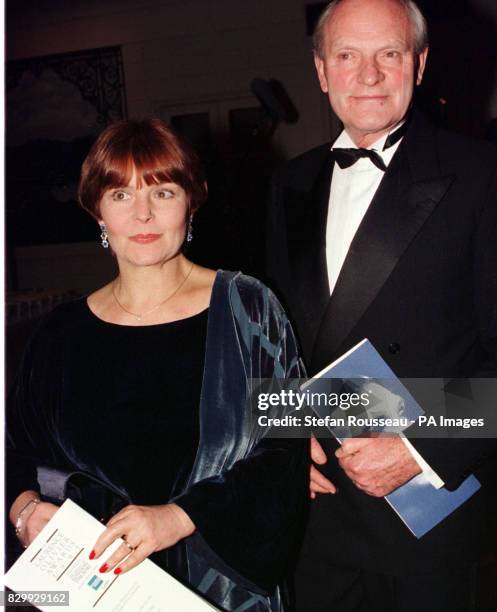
[132, 548]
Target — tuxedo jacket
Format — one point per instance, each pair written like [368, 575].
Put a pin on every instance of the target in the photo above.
[420, 282]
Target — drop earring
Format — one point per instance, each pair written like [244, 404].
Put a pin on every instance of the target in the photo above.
[189, 235]
[103, 235]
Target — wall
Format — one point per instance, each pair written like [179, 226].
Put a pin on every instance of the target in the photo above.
[187, 54]
[489, 9]
[81, 267]
[197, 54]
[179, 57]
[184, 56]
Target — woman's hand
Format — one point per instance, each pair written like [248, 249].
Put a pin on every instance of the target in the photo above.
[42, 513]
[33, 519]
[145, 529]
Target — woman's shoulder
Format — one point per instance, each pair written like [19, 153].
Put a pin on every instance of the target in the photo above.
[243, 282]
[63, 326]
[250, 294]
[64, 318]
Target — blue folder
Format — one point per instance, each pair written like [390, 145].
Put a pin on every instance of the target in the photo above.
[418, 503]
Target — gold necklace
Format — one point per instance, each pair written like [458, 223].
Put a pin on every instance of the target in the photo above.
[145, 314]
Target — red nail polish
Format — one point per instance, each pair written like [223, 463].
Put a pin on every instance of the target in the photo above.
[92, 554]
[118, 570]
[104, 568]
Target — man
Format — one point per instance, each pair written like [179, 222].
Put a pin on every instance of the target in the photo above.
[395, 242]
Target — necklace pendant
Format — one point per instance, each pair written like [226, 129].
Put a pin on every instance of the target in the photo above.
[139, 317]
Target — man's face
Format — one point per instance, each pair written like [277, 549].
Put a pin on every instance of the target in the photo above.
[368, 66]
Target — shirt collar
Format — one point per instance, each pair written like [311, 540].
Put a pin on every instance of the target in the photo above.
[345, 141]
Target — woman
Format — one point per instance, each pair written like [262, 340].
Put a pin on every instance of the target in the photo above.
[144, 384]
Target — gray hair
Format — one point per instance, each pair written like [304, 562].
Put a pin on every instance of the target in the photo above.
[414, 14]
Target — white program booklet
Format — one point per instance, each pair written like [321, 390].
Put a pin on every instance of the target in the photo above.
[57, 560]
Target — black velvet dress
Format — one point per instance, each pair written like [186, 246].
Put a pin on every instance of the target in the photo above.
[119, 402]
[122, 403]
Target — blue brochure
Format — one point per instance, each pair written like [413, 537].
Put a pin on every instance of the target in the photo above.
[418, 503]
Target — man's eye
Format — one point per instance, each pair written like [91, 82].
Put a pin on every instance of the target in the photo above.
[120, 196]
[392, 54]
[345, 55]
[164, 194]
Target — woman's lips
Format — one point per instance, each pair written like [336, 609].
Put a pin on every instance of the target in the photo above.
[144, 238]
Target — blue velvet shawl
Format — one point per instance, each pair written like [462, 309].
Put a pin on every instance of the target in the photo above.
[248, 337]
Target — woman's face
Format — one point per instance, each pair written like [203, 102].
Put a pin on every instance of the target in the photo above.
[145, 225]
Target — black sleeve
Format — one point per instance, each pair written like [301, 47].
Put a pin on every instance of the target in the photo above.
[455, 458]
[28, 439]
[276, 263]
[253, 515]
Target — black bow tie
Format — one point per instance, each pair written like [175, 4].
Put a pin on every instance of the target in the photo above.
[348, 157]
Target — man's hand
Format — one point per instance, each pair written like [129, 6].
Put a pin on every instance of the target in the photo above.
[319, 483]
[377, 466]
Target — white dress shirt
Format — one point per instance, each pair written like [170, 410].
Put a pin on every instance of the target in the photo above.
[352, 191]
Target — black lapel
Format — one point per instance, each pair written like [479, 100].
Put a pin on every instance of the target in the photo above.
[306, 210]
[407, 195]
[306, 214]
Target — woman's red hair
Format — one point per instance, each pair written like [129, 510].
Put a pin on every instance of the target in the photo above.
[148, 147]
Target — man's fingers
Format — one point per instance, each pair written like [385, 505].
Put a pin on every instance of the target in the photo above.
[317, 453]
[340, 453]
[347, 465]
[347, 462]
[319, 483]
[351, 446]
[315, 488]
[371, 489]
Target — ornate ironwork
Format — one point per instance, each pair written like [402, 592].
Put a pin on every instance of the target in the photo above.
[97, 73]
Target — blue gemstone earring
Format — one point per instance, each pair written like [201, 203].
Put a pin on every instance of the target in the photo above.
[103, 235]
[189, 235]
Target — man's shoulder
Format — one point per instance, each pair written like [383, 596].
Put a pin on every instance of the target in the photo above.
[453, 150]
[479, 154]
[301, 171]
[310, 157]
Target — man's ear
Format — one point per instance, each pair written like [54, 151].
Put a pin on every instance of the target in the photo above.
[421, 65]
[319, 63]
